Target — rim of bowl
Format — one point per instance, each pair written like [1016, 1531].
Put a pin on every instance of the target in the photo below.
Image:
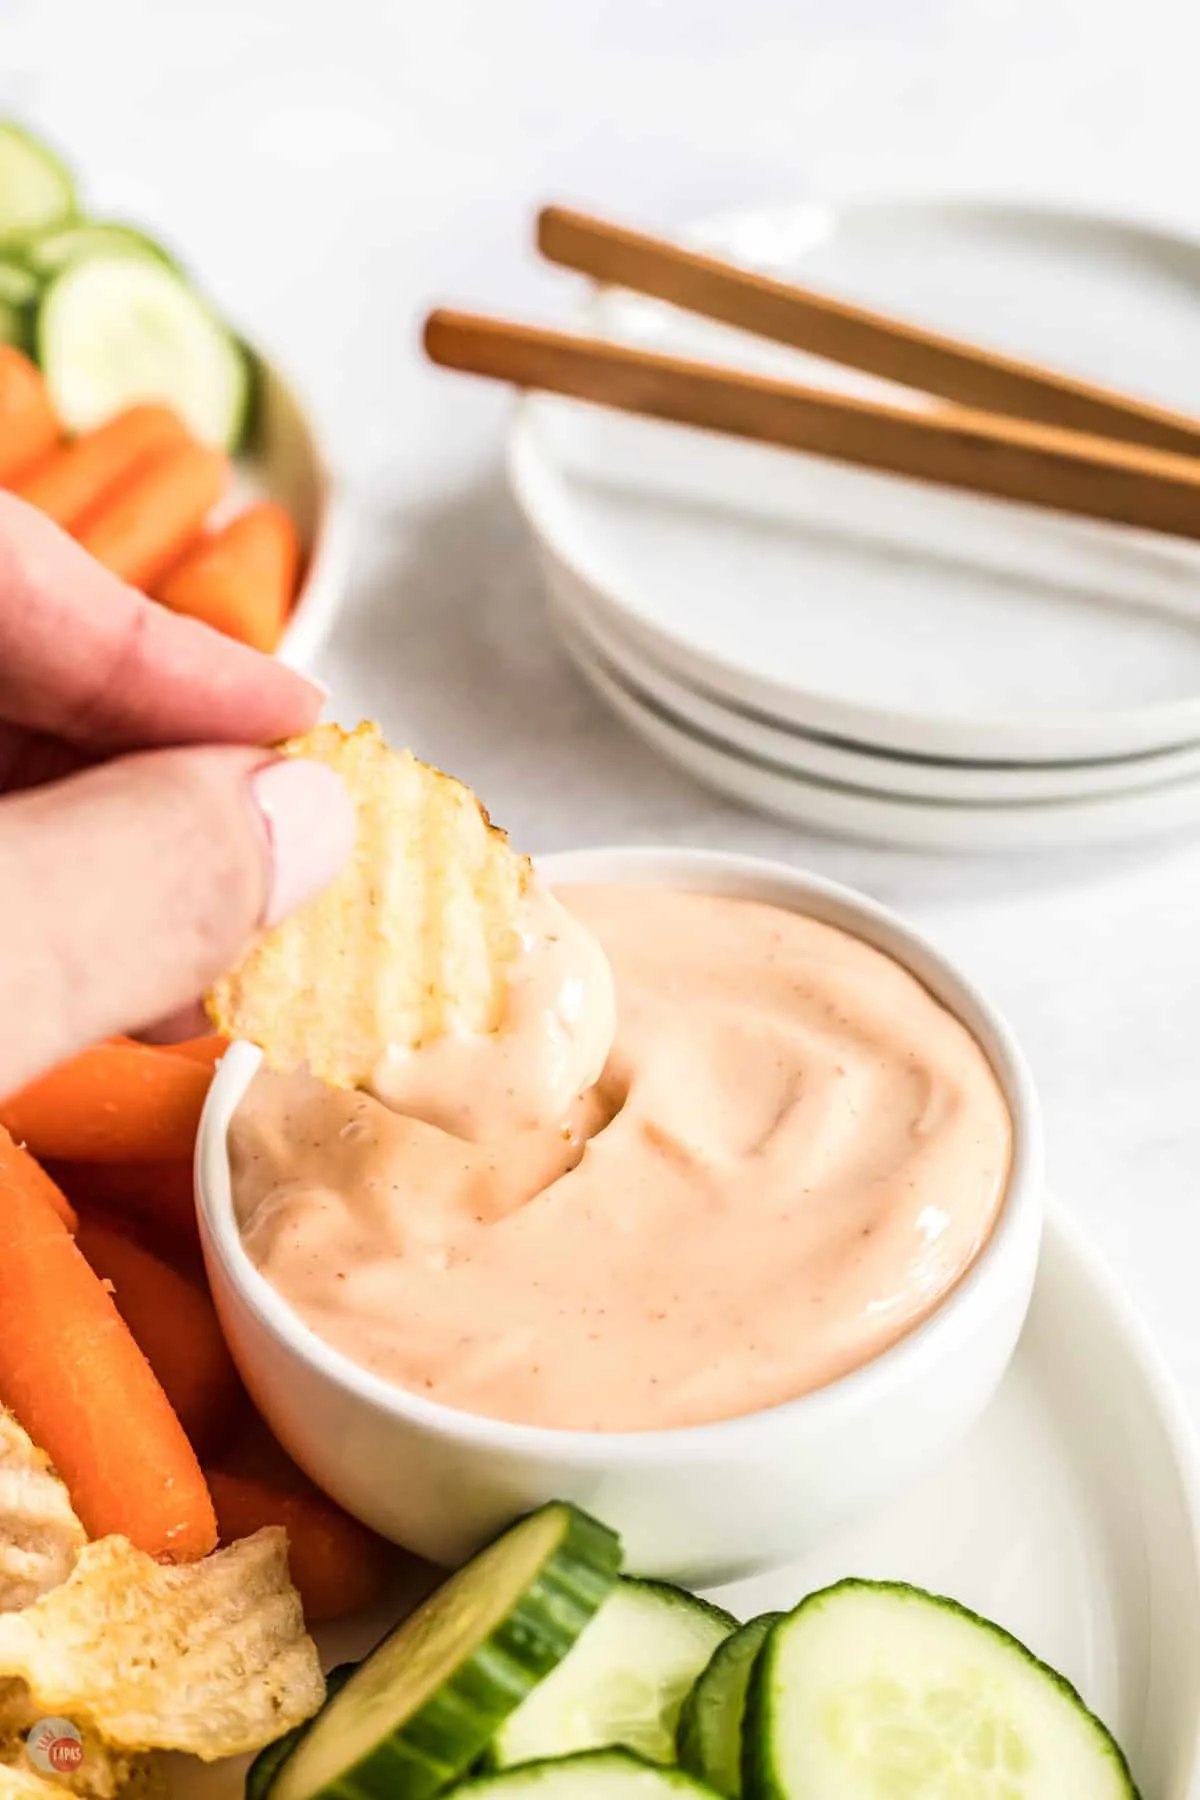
[322, 587]
[1021, 1211]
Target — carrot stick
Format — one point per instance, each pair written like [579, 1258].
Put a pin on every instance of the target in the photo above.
[73, 481]
[18, 1168]
[154, 1202]
[241, 579]
[207, 1051]
[152, 516]
[28, 427]
[73, 1377]
[117, 1102]
[338, 1566]
[174, 1325]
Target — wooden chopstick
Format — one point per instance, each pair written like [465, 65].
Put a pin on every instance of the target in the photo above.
[978, 452]
[854, 335]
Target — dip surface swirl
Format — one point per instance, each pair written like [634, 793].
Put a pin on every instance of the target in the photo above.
[793, 1154]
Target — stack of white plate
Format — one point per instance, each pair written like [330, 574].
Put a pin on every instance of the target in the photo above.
[868, 655]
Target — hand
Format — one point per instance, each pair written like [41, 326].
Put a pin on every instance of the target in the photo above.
[144, 833]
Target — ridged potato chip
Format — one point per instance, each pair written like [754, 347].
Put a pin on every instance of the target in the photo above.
[24, 1784]
[101, 1774]
[411, 940]
[40, 1537]
[210, 1657]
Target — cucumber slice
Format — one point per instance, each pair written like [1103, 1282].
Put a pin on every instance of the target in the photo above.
[18, 298]
[623, 1683]
[52, 250]
[271, 1757]
[36, 190]
[423, 1705]
[709, 1739]
[114, 329]
[874, 1688]
[591, 1775]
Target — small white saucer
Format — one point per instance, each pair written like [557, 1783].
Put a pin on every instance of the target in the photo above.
[876, 610]
[906, 776]
[878, 817]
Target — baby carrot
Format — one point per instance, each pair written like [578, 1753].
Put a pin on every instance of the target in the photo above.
[73, 1377]
[338, 1566]
[174, 1325]
[207, 1051]
[147, 522]
[117, 1102]
[154, 1201]
[28, 427]
[19, 1168]
[72, 482]
[241, 579]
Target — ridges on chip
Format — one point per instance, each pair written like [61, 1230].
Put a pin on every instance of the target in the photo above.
[210, 1657]
[412, 939]
[40, 1536]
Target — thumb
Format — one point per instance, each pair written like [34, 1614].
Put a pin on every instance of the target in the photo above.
[125, 890]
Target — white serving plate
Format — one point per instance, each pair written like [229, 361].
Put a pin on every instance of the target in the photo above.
[1071, 1515]
[907, 777]
[883, 818]
[288, 464]
[874, 609]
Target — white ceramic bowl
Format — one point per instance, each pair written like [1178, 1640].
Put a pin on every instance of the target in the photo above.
[287, 463]
[703, 1504]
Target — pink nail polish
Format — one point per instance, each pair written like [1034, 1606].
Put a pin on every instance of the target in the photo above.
[310, 825]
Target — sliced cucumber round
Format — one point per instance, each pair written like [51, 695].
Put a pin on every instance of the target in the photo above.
[623, 1683]
[51, 251]
[271, 1758]
[423, 1705]
[36, 189]
[114, 329]
[18, 299]
[590, 1775]
[873, 1688]
[709, 1739]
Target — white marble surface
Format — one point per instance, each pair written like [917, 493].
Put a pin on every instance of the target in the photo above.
[335, 168]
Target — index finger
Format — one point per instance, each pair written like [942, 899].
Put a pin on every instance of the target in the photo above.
[85, 658]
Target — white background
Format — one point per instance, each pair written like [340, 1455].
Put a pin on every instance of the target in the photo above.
[334, 168]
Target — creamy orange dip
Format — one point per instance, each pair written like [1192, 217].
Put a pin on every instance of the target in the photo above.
[553, 1041]
[793, 1153]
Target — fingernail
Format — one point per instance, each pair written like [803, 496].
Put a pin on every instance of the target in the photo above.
[310, 825]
